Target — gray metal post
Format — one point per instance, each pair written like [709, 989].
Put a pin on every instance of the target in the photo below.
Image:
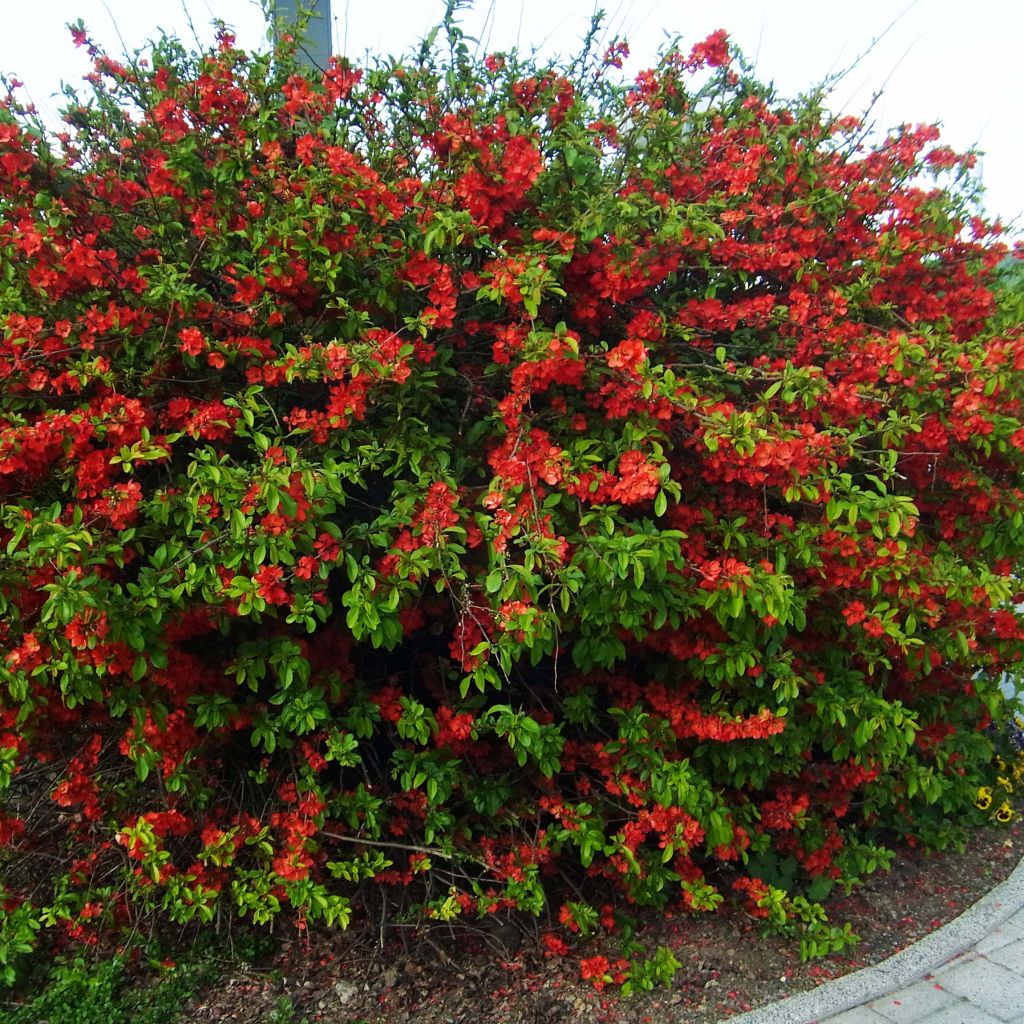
[315, 45]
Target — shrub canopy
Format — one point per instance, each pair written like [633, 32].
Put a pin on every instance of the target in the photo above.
[501, 484]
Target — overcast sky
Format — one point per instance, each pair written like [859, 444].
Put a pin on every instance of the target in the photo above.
[943, 60]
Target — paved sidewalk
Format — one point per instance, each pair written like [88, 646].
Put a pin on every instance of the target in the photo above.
[970, 971]
[982, 986]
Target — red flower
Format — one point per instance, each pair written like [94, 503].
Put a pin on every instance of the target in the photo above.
[638, 479]
[713, 51]
[616, 54]
[192, 341]
[628, 355]
[874, 627]
[855, 612]
[554, 945]
[453, 729]
[268, 579]
[566, 917]
[597, 969]
[387, 698]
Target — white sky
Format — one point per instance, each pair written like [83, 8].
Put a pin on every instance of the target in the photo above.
[944, 60]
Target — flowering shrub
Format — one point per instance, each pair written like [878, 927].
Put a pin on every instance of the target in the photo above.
[499, 486]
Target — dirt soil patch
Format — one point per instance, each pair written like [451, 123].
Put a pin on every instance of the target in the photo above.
[728, 967]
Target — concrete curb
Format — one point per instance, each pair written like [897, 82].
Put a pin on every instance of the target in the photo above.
[901, 969]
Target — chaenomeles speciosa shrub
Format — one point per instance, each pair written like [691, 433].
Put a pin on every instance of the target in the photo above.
[476, 487]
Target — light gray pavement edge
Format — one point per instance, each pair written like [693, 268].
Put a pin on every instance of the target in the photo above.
[970, 971]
